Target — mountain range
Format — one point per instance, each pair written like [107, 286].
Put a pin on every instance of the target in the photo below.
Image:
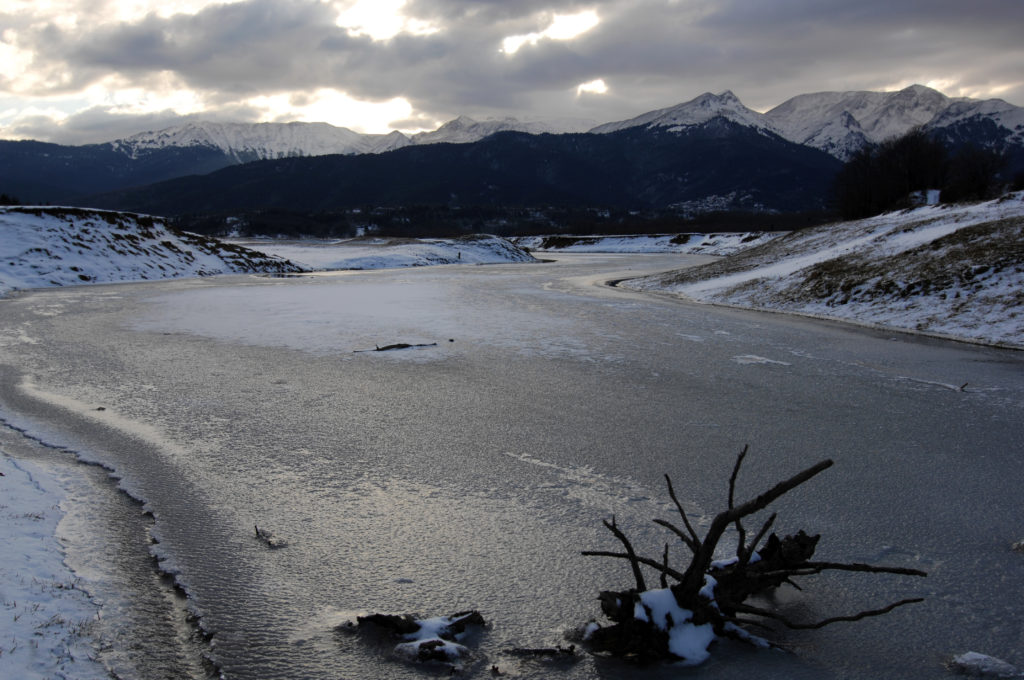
[711, 151]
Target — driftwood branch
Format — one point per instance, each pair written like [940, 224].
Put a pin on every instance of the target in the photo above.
[715, 593]
[684, 537]
[812, 568]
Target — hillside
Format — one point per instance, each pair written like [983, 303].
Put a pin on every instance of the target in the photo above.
[635, 168]
[44, 247]
[953, 270]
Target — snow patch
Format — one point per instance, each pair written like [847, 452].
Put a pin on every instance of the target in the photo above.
[976, 664]
[686, 640]
[45, 619]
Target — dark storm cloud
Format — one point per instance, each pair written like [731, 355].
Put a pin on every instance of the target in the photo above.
[651, 53]
[241, 47]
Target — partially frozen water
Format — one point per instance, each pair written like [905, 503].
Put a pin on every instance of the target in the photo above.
[469, 475]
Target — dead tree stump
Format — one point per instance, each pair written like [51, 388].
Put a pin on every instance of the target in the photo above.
[708, 600]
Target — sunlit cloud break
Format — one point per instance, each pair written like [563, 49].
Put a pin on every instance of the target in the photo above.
[593, 87]
[381, 20]
[563, 27]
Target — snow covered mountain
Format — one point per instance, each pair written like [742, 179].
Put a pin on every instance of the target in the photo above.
[464, 129]
[837, 123]
[694, 112]
[245, 142]
[840, 123]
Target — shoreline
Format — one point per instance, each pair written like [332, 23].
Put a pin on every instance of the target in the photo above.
[48, 624]
[84, 595]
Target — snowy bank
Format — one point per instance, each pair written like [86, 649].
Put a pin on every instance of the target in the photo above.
[688, 244]
[51, 246]
[951, 270]
[45, 619]
[382, 253]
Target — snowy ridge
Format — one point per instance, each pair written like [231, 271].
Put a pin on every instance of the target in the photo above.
[694, 112]
[1002, 113]
[954, 271]
[261, 141]
[464, 129]
[876, 115]
[45, 247]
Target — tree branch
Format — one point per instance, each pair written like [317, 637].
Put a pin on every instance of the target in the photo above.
[741, 543]
[694, 542]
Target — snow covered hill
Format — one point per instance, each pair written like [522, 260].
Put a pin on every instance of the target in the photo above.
[953, 270]
[44, 247]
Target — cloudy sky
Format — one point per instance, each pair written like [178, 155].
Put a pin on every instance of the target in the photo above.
[80, 71]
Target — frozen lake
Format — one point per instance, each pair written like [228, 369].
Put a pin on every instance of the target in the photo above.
[469, 474]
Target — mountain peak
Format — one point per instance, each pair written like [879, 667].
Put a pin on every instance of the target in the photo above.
[843, 122]
[697, 111]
